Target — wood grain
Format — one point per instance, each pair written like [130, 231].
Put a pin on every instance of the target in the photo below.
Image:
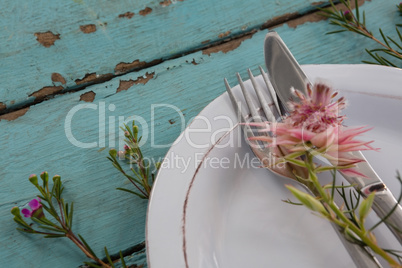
[79, 38]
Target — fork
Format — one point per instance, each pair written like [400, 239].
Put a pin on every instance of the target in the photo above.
[259, 110]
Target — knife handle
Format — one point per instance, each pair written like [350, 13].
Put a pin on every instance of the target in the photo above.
[385, 203]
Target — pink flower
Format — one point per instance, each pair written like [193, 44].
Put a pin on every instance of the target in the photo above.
[315, 125]
[36, 209]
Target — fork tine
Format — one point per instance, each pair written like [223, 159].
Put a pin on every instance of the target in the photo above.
[271, 90]
[253, 109]
[264, 104]
[235, 102]
[239, 110]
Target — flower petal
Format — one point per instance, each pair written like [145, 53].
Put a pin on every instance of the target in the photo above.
[26, 212]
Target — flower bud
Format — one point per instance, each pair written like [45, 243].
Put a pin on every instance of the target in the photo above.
[45, 176]
[16, 212]
[121, 154]
[309, 201]
[126, 134]
[56, 177]
[348, 15]
[135, 129]
[33, 179]
[113, 153]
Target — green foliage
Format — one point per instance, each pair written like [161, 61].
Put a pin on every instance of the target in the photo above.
[389, 52]
[60, 221]
[141, 176]
[350, 217]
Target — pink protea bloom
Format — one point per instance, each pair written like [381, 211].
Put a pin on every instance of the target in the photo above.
[315, 124]
[36, 209]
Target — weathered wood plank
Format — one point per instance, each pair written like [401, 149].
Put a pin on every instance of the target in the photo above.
[37, 141]
[50, 47]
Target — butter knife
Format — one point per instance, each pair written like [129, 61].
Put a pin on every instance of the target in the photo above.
[284, 72]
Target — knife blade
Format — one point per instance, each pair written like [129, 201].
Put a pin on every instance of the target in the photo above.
[284, 73]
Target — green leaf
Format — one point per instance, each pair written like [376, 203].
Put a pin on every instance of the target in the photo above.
[54, 236]
[307, 200]
[383, 37]
[296, 162]
[31, 231]
[132, 192]
[70, 216]
[23, 223]
[365, 207]
[123, 262]
[53, 229]
[87, 246]
[338, 31]
[108, 258]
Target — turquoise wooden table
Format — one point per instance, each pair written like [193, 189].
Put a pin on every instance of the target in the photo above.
[72, 72]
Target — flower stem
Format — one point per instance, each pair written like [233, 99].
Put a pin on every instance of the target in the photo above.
[84, 249]
[362, 234]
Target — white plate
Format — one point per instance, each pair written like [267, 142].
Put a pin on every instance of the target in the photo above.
[226, 215]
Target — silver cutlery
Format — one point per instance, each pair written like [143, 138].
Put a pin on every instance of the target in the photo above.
[284, 73]
[258, 109]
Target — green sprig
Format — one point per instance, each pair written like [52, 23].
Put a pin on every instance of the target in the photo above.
[350, 217]
[390, 51]
[60, 226]
[141, 177]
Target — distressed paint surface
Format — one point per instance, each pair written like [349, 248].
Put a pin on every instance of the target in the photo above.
[37, 141]
[77, 38]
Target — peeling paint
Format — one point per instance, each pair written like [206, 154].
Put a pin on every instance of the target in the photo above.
[165, 3]
[222, 35]
[89, 28]
[47, 39]
[126, 84]
[56, 77]
[172, 121]
[88, 96]
[14, 115]
[145, 11]
[2, 106]
[144, 80]
[124, 67]
[93, 78]
[228, 46]
[206, 41]
[127, 15]
[45, 91]
[279, 20]
[169, 2]
[313, 17]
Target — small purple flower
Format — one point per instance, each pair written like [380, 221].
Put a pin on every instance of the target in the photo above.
[126, 148]
[348, 15]
[36, 207]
